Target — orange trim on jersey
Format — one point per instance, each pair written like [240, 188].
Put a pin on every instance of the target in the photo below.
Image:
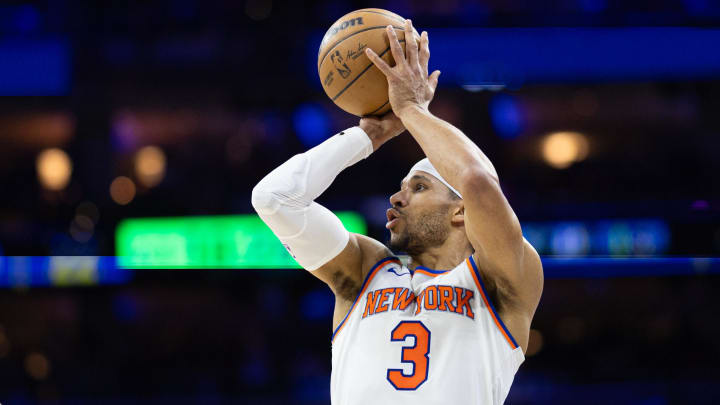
[366, 283]
[490, 308]
[427, 273]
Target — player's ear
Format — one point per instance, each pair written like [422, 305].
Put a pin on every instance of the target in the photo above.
[458, 213]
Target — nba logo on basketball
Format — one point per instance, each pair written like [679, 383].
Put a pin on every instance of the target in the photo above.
[341, 67]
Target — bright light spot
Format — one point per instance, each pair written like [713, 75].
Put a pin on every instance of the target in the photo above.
[561, 149]
[53, 169]
[535, 343]
[37, 366]
[122, 190]
[150, 165]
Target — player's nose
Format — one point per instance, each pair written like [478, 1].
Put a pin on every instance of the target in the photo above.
[398, 199]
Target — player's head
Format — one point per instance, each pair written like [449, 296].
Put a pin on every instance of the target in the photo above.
[424, 212]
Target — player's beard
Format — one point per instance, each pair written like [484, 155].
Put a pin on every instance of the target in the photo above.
[421, 232]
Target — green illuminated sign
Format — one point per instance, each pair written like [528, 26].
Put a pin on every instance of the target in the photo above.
[239, 241]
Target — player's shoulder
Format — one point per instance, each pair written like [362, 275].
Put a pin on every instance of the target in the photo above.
[373, 252]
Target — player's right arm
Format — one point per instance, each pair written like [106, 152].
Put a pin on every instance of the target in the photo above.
[285, 200]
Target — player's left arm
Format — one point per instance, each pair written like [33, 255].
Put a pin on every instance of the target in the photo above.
[491, 225]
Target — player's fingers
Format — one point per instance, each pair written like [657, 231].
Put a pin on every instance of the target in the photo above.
[377, 61]
[424, 52]
[411, 46]
[397, 52]
[433, 80]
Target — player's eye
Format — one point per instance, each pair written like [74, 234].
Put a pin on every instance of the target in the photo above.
[419, 187]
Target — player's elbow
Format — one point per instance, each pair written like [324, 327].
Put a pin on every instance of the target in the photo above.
[477, 180]
[279, 187]
[263, 200]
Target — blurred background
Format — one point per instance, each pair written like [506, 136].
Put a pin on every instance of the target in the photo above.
[138, 129]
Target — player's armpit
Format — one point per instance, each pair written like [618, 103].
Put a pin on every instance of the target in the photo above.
[345, 273]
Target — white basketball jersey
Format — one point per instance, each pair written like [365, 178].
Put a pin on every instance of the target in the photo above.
[422, 337]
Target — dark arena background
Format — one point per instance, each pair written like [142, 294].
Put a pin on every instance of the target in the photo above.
[135, 271]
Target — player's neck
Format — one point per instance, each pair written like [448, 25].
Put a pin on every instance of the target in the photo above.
[444, 257]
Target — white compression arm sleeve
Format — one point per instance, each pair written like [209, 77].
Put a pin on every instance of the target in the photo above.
[284, 199]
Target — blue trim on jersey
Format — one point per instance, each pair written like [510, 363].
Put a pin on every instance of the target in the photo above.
[431, 270]
[492, 308]
[362, 287]
[396, 273]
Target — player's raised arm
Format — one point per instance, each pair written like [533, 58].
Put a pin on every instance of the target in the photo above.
[490, 223]
[315, 237]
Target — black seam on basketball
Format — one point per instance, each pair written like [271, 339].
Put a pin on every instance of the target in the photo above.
[348, 36]
[361, 73]
[379, 108]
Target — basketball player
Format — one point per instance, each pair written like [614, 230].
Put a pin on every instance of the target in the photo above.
[452, 326]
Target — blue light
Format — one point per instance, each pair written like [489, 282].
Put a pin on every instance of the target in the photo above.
[651, 237]
[616, 237]
[570, 238]
[60, 271]
[34, 67]
[507, 116]
[311, 124]
[517, 56]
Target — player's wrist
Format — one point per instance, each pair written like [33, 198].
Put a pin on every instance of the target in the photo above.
[374, 133]
[409, 110]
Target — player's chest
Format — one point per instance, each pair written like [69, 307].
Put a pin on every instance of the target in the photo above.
[405, 296]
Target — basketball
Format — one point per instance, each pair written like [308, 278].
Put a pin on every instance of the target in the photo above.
[348, 77]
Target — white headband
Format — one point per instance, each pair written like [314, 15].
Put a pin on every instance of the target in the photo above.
[427, 167]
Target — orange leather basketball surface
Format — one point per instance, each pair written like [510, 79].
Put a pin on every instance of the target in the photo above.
[348, 77]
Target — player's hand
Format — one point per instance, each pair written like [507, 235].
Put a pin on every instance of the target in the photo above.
[408, 81]
[381, 129]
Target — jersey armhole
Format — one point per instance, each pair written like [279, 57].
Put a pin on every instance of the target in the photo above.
[472, 266]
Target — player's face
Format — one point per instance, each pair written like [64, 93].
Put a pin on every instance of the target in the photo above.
[421, 213]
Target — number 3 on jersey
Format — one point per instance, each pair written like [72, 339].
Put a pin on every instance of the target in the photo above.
[417, 355]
